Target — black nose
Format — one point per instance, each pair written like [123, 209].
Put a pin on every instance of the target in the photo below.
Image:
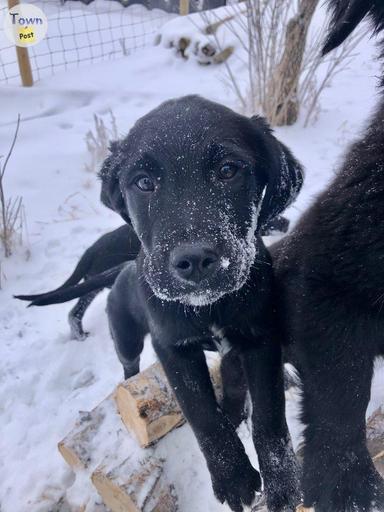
[194, 262]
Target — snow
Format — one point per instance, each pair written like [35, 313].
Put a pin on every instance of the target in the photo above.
[79, 34]
[192, 30]
[46, 377]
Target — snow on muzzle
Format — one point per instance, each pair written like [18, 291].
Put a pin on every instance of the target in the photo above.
[200, 266]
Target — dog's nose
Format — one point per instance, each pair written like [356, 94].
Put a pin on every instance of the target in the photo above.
[194, 262]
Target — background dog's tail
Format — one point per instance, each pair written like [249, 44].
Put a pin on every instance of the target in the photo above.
[78, 274]
[347, 14]
[75, 291]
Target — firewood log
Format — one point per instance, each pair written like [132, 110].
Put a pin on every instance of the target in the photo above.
[147, 404]
[136, 486]
[76, 447]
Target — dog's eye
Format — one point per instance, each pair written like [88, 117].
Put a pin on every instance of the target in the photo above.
[145, 183]
[227, 172]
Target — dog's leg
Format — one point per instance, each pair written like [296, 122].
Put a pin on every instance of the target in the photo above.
[76, 314]
[127, 334]
[234, 479]
[264, 372]
[234, 387]
[338, 474]
[128, 327]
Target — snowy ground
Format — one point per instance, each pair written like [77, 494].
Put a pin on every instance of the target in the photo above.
[46, 377]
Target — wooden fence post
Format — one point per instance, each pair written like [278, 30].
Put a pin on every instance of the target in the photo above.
[184, 7]
[23, 57]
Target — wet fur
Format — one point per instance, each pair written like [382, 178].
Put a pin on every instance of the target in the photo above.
[236, 314]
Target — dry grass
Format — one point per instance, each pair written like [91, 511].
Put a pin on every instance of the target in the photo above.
[12, 210]
[98, 140]
[261, 28]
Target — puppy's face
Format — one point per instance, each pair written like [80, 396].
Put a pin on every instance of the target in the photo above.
[194, 203]
[193, 177]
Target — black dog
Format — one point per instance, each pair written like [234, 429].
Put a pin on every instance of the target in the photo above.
[203, 278]
[330, 280]
[107, 253]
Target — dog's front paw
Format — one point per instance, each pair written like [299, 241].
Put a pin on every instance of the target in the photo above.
[353, 484]
[236, 485]
[282, 493]
[281, 476]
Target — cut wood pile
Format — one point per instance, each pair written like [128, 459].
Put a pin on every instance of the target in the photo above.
[143, 408]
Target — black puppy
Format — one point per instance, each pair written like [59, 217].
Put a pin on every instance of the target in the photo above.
[107, 253]
[197, 181]
[330, 280]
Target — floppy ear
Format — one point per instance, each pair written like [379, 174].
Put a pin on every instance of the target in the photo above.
[111, 195]
[285, 175]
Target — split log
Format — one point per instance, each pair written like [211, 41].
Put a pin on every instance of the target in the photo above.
[147, 404]
[76, 447]
[136, 487]
[129, 486]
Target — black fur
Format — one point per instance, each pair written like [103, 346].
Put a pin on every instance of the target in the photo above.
[203, 279]
[100, 265]
[346, 16]
[330, 280]
[106, 254]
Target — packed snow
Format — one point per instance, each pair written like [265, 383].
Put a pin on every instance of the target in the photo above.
[46, 377]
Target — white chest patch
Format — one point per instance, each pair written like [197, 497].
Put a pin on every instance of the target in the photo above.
[221, 342]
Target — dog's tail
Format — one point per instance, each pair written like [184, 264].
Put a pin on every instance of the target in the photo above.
[96, 282]
[76, 276]
[347, 14]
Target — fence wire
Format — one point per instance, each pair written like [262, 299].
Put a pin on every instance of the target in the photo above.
[82, 34]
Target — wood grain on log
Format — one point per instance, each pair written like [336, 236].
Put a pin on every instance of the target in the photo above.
[136, 487]
[137, 483]
[76, 447]
[147, 404]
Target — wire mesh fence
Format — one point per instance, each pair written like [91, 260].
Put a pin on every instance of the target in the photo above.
[82, 34]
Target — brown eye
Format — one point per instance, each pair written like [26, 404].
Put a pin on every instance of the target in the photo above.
[227, 172]
[145, 184]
